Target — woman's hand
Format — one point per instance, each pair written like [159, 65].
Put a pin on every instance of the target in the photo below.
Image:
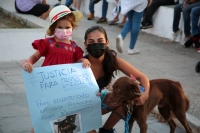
[141, 100]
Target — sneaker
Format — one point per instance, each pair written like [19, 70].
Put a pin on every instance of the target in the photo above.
[95, 1]
[184, 41]
[147, 25]
[196, 44]
[102, 130]
[188, 43]
[90, 16]
[133, 51]
[176, 35]
[119, 43]
[198, 50]
[102, 20]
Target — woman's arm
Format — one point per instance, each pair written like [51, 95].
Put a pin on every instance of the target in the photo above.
[128, 69]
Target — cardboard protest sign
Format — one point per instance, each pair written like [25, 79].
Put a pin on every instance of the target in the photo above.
[63, 98]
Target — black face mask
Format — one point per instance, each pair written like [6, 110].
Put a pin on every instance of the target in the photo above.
[96, 49]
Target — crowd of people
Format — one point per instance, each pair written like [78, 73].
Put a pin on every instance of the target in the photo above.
[100, 57]
[138, 17]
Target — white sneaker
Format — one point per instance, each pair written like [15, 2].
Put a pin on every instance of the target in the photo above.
[119, 43]
[133, 51]
[176, 35]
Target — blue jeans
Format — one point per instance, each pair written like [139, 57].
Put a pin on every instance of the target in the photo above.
[186, 17]
[133, 25]
[195, 13]
[68, 2]
[104, 8]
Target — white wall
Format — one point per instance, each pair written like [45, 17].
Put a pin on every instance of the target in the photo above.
[16, 43]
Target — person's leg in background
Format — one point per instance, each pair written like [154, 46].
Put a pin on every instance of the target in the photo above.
[91, 9]
[46, 14]
[68, 3]
[123, 22]
[147, 19]
[77, 4]
[104, 12]
[176, 19]
[186, 18]
[136, 19]
[116, 18]
[133, 25]
[194, 15]
[127, 27]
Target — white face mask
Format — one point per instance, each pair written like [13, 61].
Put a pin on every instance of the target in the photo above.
[63, 34]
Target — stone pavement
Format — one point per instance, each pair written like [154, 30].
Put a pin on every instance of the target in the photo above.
[159, 58]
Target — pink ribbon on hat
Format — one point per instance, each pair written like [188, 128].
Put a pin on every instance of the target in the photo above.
[56, 16]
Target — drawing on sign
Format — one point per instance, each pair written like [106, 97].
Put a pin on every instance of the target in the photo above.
[67, 124]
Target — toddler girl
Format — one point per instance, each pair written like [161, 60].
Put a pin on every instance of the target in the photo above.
[58, 49]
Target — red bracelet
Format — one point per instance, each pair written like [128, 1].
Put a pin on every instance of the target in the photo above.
[29, 61]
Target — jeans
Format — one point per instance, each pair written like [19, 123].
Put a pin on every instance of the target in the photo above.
[195, 13]
[68, 2]
[132, 25]
[186, 17]
[104, 8]
[149, 11]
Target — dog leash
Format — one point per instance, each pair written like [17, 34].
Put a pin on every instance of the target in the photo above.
[128, 116]
[103, 95]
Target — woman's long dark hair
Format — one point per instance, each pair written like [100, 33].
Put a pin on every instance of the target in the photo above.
[110, 60]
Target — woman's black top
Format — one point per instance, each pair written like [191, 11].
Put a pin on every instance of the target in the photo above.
[102, 82]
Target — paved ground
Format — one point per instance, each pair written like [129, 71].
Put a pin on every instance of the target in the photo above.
[159, 58]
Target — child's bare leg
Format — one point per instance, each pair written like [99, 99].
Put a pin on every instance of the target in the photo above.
[124, 19]
[46, 14]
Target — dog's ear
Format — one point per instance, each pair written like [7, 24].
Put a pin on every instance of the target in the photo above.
[134, 89]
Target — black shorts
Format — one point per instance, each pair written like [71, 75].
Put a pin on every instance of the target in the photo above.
[37, 10]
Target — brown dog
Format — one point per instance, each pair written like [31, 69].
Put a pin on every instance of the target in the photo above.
[167, 94]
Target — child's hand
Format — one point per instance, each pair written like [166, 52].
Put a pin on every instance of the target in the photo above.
[28, 67]
[99, 94]
[86, 63]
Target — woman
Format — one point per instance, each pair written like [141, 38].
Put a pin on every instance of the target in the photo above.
[134, 11]
[104, 62]
[37, 8]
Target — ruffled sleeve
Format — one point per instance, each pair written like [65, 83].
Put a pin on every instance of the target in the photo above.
[78, 52]
[42, 45]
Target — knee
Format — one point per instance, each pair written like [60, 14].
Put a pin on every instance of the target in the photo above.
[195, 11]
[177, 8]
[185, 13]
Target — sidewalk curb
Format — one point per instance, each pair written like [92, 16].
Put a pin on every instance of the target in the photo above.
[21, 19]
[193, 122]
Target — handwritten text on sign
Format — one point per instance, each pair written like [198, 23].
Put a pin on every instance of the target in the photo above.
[59, 91]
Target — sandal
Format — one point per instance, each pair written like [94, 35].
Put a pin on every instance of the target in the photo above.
[121, 24]
[102, 20]
[113, 22]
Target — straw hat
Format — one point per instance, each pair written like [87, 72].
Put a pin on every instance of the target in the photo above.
[62, 10]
